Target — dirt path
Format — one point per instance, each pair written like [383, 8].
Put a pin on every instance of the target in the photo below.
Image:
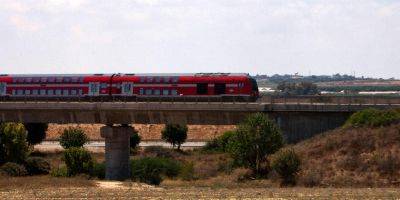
[111, 190]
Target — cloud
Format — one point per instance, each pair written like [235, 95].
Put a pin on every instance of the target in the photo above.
[24, 24]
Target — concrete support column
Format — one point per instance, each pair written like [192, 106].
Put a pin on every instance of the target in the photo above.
[117, 151]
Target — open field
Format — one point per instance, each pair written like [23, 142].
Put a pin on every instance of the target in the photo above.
[46, 187]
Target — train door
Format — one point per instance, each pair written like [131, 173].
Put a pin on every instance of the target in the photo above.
[127, 88]
[3, 90]
[202, 88]
[94, 89]
[219, 88]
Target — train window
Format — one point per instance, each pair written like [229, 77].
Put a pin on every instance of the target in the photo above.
[142, 79]
[43, 80]
[36, 80]
[2, 88]
[175, 79]
[174, 92]
[58, 92]
[165, 92]
[157, 79]
[51, 79]
[166, 79]
[42, 92]
[59, 79]
[27, 92]
[74, 79]
[13, 92]
[50, 92]
[141, 91]
[73, 92]
[20, 92]
[80, 91]
[67, 79]
[65, 92]
[35, 92]
[202, 88]
[148, 91]
[157, 92]
[103, 85]
[149, 79]
[28, 80]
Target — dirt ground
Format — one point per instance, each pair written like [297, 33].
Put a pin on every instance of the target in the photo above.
[85, 189]
[146, 131]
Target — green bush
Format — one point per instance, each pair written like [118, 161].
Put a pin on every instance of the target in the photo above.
[175, 134]
[287, 164]
[36, 132]
[73, 137]
[78, 161]
[13, 145]
[373, 118]
[59, 172]
[220, 143]
[37, 165]
[255, 139]
[13, 169]
[187, 172]
[151, 169]
[134, 139]
[98, 170]
[159, 151]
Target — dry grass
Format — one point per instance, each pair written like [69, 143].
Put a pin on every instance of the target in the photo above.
[77, 188]
[352, 157]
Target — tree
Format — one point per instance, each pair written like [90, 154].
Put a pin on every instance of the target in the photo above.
[73, 137]
[135, 139]
[36, 132]
[287, 164]
[255, 139]
[175, 134]
[13, 145]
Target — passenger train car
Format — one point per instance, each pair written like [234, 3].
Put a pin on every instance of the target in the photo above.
[130, 87]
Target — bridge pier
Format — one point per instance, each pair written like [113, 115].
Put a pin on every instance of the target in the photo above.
[117, 151]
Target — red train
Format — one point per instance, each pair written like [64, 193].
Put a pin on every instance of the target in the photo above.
[175, 87]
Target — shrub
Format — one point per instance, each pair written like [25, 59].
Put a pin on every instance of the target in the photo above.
[134, 139]
[254, 140]
[78, 161]
[373, 118]
[386, 163]
[37, 165]
[13, 145]
[220, 143]
[175, 134]
[150, 170]
[98, 170]
[187, 172]
[36, 132]
[311, 178]
[73, 137]
[13, 169]
[59, 172]
[287, 164]
[159, 151]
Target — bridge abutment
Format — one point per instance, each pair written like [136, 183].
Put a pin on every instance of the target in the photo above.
[117, 151]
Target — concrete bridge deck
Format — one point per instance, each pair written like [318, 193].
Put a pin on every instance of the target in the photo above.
[218, 113]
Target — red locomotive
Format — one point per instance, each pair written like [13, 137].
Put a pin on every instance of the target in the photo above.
[199, 86]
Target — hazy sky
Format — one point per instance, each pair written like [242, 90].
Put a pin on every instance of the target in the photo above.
[254, 36]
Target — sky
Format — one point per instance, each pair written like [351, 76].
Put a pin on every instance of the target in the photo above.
[360, 37]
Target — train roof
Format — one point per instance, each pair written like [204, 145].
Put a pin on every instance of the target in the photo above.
[131, 74]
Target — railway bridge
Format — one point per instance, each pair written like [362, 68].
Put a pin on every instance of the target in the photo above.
[297, 119]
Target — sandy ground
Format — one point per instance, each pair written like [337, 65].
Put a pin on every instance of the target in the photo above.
[146, 131]
[98, 146]
[118, 190]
